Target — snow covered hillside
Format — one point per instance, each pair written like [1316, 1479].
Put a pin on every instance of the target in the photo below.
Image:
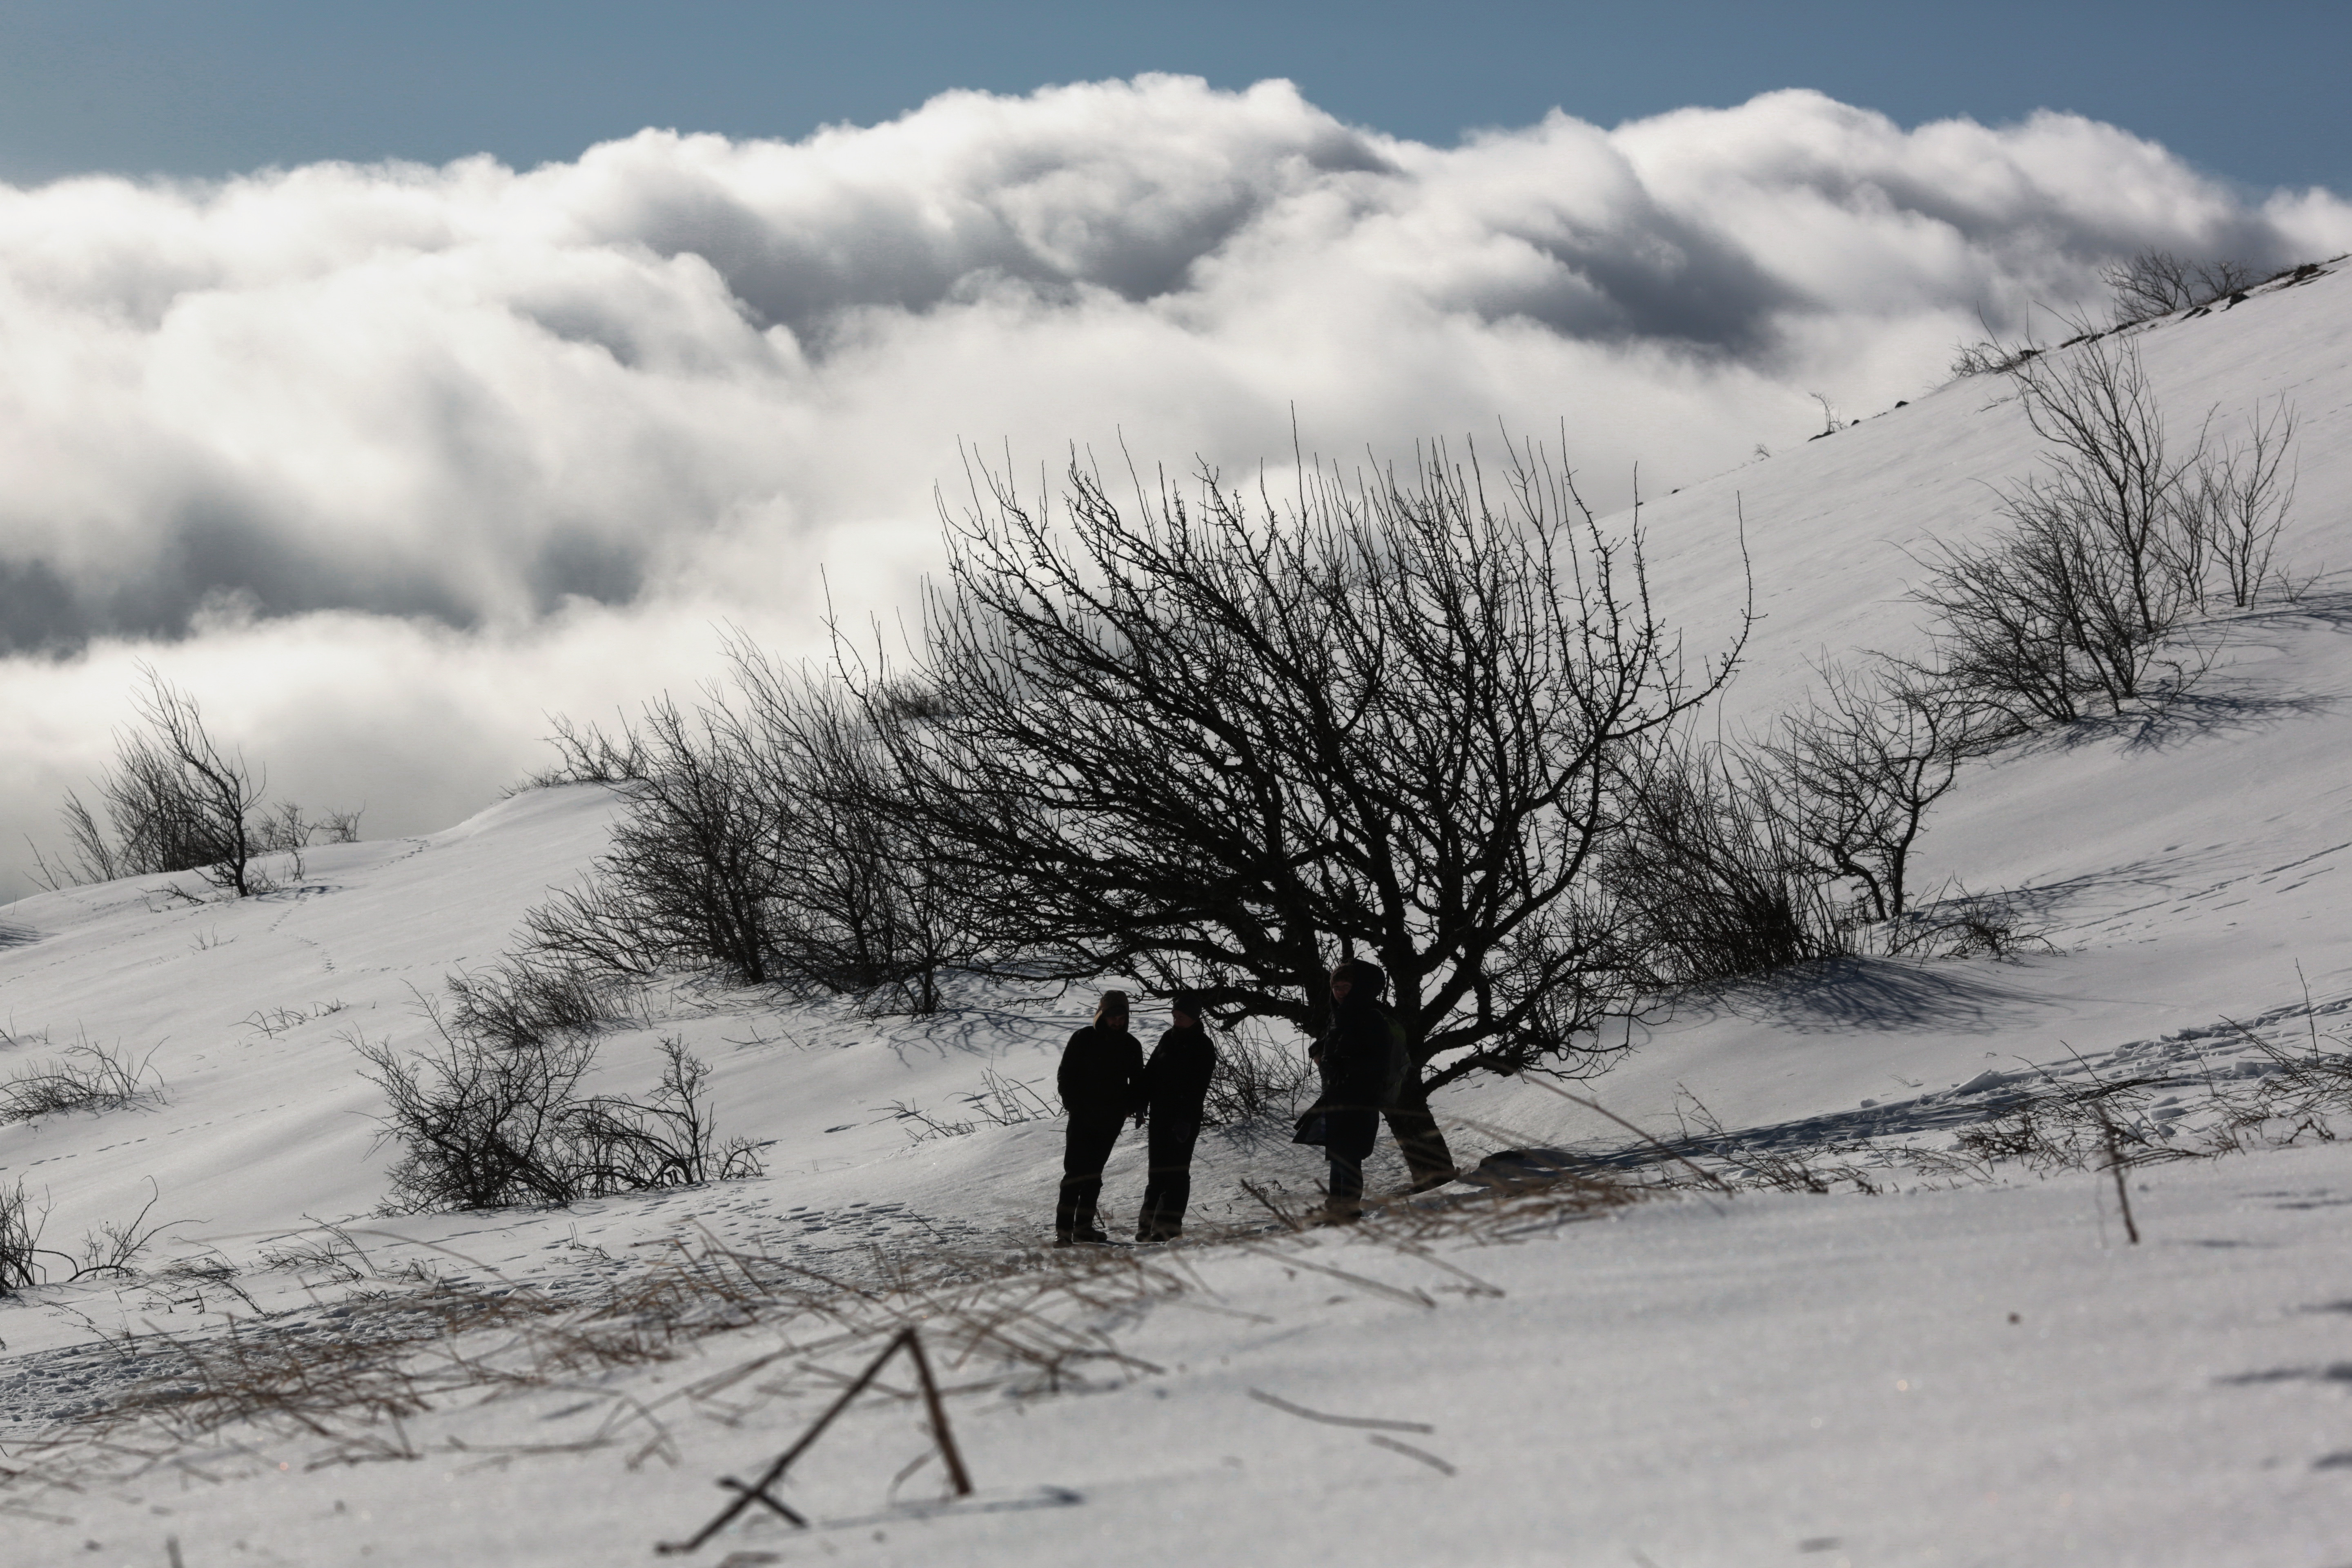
[1972, 1365]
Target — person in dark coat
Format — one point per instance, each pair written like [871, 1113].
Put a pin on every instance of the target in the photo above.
[1102, 1083]
[1358, 1053]
[1175, 1083]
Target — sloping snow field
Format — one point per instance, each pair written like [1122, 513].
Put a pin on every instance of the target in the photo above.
[1963, 1369]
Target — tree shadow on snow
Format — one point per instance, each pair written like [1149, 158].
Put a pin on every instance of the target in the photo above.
[2225, 702]
[2226, 707]
[1889, 995]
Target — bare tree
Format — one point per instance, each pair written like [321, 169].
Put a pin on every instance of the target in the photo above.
[865, 910]
[176, 800]
[2069, 609]
[1207, 739]
[2111, 548]
[690, 873]
[2152, 283]
[1988, 356]
[1858, 768]
[2156, 283]
[2235, 511]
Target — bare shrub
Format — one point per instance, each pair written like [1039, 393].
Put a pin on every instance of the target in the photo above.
[666, 1140]
[20, 1241]
[115, 1246]
[88, 1077]
[286, 829]
[176, 800]
[517, 1002]
[494, 1120]
[587, 754]
[866, 909]
[1708, 878]
[1966, 925]
[110, 1250]
[480, 1126]
[2108, 552]
[2156, 283]
[691, 874]
[1989, 356]
[1859, 766]
[2233, 512]
[750, 845]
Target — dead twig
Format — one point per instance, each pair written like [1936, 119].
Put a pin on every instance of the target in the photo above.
[1372, 1421]
[906, 1339]
[1410, 1452]
[2115, 1169]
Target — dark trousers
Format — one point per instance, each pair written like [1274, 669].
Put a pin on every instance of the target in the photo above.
[1169, 1186]
[1084, 1155]
[1348, 1138]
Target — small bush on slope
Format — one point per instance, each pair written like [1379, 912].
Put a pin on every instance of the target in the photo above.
[2110, 551]
[751, 845]
[2156, 283]
[1856, 770]
[1707, 875]
[88, 1077]
[176, 801]
[492, 1119]
[109, 1249]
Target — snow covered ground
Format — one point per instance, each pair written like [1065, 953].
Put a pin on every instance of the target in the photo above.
[1972, 1365]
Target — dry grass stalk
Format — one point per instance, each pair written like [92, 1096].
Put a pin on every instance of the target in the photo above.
[409, 1343]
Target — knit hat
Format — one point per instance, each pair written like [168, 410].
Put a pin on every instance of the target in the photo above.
[1367, 978]
[1112, 1002]
[1189, 1004]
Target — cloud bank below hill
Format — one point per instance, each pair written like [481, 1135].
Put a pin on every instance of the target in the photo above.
[386, 460]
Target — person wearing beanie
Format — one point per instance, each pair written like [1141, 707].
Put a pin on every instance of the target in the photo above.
[1361, 1054]
[1101, 1080]
[1175, 1085]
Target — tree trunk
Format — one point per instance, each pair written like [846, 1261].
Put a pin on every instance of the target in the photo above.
[1418, 1136]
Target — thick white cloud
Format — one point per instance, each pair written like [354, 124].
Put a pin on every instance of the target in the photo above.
[384, 461]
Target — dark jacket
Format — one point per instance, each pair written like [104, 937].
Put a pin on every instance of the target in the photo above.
[1176, 1079]
[1102, 1073]
[1359, 1052]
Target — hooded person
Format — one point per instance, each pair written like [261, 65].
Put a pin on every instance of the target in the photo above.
[1175, 1086]
[1360, 1053]
[1101, 1080]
